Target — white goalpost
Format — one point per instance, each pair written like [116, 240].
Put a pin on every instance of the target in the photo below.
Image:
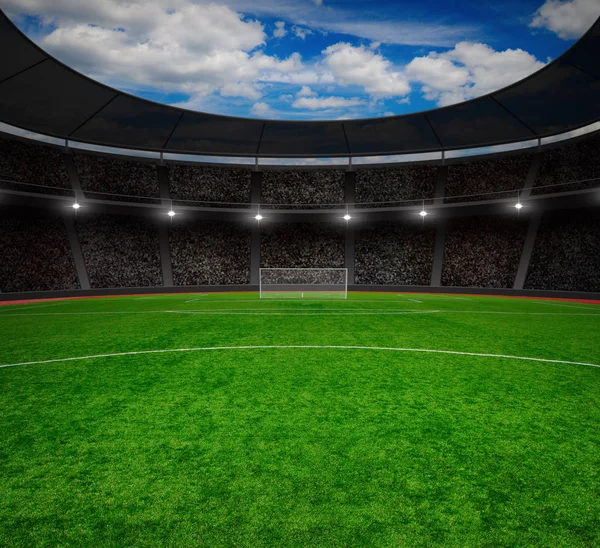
[303, 283]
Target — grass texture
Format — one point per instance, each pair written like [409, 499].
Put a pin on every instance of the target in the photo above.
[300, 446]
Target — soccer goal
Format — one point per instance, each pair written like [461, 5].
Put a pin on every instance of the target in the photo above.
[304, 283]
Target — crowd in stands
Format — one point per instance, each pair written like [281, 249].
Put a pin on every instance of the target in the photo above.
[120, 251]
[487, 179]
[566, 255]
[389, 187]
[300, 245]
[34, 165]
[295, 189]
[35, 254]
[209, 253]
[394, 253]
[571, 167]
[123, 251]
[334, 279]
[210, 187]
[102, 177]
[483, 251]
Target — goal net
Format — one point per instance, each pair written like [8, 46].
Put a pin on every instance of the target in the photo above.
[304, 283]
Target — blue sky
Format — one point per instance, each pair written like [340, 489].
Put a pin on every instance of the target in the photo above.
[305, 59]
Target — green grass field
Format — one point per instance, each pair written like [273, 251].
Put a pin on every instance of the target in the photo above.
[329, 428]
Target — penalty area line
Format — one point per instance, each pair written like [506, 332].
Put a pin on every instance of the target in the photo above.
[300, 347]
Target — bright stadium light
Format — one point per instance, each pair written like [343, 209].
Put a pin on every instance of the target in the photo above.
[347, 217]
[519, 205]
[171, 213]
[423, 213]
[259, 217]
[75, 206]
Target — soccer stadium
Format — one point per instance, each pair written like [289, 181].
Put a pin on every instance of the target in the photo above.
[222, 330]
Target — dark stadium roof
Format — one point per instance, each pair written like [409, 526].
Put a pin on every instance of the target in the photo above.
[40, 94]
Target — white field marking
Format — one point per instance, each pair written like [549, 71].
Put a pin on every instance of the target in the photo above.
[452, 298]
[300, 312]
[346, 309]
[102, 313]
[571, 306]
[194, 300]
[376, 313]
[295, 300]
[33, 306]
[520, 313]
[415, 301]
[157, 296]
[300, 347]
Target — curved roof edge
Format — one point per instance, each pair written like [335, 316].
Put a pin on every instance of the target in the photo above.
[40, 94]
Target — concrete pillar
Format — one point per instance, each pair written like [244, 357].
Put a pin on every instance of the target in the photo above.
[163, 184]
[534, 225]
[255, 255]
[255, 199]
[255, 187]
[440, 185]
[82, 275]
[350, 189]
[350, 200]
[72, 172]
[165, 255]
[438, 255]
[349, 253]
[534, 168]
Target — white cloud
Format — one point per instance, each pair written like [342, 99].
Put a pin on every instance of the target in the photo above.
[568, 19]
[390, 31]
[358, 22]
[279, 31]
[241, 89]
[321, 103]
[173, 46]
[318, 2]
[205, 49]
[362, 67]
[355, 22]
[469, 70]
[306, 92]
[300, 77]
[301, 32]
[262, 110]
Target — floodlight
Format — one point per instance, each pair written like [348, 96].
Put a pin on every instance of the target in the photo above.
[347, 217]
[423, 213]
[259, 217]
[76, 206]
[519, 205]
[171, 213]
